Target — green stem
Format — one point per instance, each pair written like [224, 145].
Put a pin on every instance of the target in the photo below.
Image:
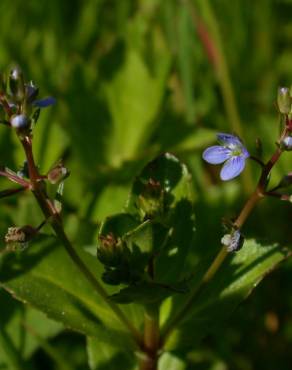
[12, 356]
[148, 360]
[54, 219]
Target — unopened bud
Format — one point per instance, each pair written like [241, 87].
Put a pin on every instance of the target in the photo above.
[16, 84]
[284, 100]
[20, 235]
[151, 200]
[233, 241]
[286, 143]
[31, 92]
[58, 174]
[20, 121]
[110, 250]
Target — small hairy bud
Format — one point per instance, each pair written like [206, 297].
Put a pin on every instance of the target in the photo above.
[233, 241]
[151, 200]
[20, 121]
[110, 250]
[58, 174]
[284, 100]
[286, 143]
[20, 235]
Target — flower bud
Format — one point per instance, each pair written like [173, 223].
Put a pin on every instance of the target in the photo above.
[31, 92]
[20, 121]
[20, 235]
[16, 84]
[286, 143]
[151, 200]
[284, 100]
[233, 241]
[110, 250]
[58, 174]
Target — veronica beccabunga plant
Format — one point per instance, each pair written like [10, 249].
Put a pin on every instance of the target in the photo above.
[142, 295]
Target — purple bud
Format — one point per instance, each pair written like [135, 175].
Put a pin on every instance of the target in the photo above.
[286, 143]
[19, 121]
[31, 91]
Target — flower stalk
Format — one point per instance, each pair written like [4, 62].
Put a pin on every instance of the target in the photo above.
[55, 221]
[149, 358]
[256, 196]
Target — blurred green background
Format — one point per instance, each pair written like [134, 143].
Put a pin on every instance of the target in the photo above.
[134, 78]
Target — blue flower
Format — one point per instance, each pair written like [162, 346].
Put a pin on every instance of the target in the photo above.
[231, 151]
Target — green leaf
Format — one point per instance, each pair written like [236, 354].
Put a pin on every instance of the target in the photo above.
[15, 317]
[118, 225]
[45, 277]
[147, 292]
[177, 213]
[236, 279]
[185, 61]
[134, 97]
[168, 361]
[104, 356]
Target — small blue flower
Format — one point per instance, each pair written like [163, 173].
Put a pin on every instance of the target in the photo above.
[231, 151]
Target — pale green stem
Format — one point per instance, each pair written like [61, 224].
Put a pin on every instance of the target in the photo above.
[148, 360]
[12, 356]
[255, 197]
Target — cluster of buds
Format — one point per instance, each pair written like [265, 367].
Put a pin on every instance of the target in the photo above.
[20, 109]
[20, 103]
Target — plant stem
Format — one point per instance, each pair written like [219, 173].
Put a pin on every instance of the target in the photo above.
[255, 197]
[12, 356]
[149, 357]
[54, 219]
[9, 192]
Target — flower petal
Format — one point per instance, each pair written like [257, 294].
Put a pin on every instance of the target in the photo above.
[244, 152]
[216, 154]
[232, 168]
[228, 139]
[43, 103]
